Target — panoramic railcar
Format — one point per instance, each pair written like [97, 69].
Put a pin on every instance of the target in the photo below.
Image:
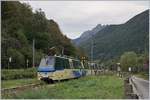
[60, 68]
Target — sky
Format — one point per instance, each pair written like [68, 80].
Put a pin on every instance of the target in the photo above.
[76, 17]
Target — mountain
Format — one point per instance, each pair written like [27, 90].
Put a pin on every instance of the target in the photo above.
[87, 34]
[113, 40]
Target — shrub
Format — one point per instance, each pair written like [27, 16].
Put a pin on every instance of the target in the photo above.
[18, 73]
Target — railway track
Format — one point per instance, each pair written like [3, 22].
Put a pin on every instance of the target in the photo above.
[20, 88]
[14, 90]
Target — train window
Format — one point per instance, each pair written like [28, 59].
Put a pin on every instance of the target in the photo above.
[71, 63]
[74, 64]
[59, 63]
[50, 61]
[47, 62]
[43, 63]
[66, 63]
[63, 63]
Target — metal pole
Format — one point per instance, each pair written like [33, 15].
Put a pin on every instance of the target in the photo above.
[27, 62]
[33, 51]
[8, 64]
[62, 51]
[92, 53]
[92, 48]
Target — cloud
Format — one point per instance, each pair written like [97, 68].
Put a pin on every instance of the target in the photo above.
[75, 17]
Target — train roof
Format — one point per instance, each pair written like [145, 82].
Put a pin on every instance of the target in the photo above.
[65, 57]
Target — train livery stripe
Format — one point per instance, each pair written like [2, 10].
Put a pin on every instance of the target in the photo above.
[46, 69]
[64, 74]
[76, 73]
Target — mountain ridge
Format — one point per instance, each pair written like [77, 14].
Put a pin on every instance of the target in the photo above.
[113, 40]
[87, 34]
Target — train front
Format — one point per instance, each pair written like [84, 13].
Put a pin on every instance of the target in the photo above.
[46, 68]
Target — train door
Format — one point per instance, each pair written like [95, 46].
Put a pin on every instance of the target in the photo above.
[71, 63]
[71, 70]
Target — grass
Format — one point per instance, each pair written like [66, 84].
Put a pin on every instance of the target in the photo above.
[18, 82]
[143, 75]
[90, 87]
[12, 74]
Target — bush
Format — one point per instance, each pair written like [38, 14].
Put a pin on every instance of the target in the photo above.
[17, 58]
[18, 73]
[128, 59]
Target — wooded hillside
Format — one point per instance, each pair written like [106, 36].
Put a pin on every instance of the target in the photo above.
[20, 25]
[114, 40]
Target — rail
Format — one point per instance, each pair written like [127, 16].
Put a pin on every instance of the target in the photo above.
[19, 88]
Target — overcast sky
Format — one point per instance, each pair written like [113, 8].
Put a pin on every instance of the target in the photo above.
[75, 17]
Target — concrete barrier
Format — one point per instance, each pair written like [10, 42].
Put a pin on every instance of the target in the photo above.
[129, 93]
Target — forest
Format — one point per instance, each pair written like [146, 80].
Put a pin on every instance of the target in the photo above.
[20, 26]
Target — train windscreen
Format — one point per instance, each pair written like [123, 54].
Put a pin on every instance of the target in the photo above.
[45, 62]
[61, 63]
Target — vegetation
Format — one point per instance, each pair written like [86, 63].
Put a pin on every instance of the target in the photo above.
[113, 40]
[111, 64]
[18, 82]
[143, 62]
[137, 62]
[128, 59]
[20, 26]
[18, 73]
[143, 75]
[90, 87]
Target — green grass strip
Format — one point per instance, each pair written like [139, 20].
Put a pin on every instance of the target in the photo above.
[90, 87]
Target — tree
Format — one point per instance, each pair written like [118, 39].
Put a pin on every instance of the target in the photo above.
[140, 62]
[128, 59]
[18, 60]
[20, 26]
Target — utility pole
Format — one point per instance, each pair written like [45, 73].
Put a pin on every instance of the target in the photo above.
[92, 48]
[27, 62]
[9, 62]
[62, 51]
[33, 53]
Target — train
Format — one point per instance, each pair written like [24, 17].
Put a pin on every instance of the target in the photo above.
[53, 68]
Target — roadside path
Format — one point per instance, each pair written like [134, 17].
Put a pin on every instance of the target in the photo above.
[142, 87]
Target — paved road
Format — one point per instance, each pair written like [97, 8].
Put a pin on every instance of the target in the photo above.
[142, 87]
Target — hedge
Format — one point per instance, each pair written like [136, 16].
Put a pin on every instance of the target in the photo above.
[18, 73]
